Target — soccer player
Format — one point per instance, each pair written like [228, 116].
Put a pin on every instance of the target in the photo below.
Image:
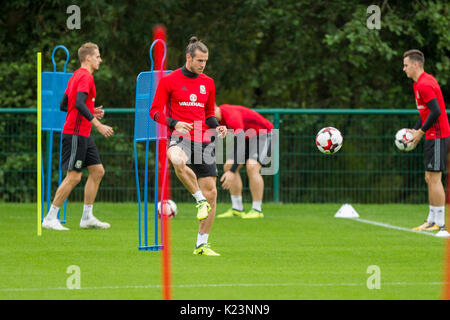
[257, 132]
[434, 125]
[184, 101]
[78, 147]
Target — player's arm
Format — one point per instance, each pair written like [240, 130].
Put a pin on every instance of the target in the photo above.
[214, 124]
[435, 112]
[418, 124]
[210, 115]
[80, 105]
[428, 95]
[236, 122]
[238, 137]
[84, 86]
[99, 113]
[156, 110]
[104, 130]
[227, 178]
[64, 103]
[166, 120]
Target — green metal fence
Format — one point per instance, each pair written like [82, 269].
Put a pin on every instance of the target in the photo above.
[368, 169]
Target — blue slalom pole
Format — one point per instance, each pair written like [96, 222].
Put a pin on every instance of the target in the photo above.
[43, 189]
[146, 195]
[49, 167]
[156, 193]
[138, 192]
[59, 180]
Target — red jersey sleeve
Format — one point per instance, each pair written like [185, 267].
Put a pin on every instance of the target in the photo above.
[426, 92]
[211, 103]
[160, 101]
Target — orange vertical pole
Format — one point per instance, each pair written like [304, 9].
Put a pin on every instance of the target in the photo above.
[159, 32]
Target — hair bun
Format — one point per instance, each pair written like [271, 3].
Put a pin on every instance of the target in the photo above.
[193, 39]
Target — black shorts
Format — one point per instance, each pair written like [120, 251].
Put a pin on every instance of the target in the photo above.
[201, 156]
[78, 152]
[435, 154]
[257, 148]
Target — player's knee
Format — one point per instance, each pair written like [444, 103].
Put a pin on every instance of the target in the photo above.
[73, 178]
[210, 192]
[177, 159]
[178, 164]
[433, 178]
[212, 197]
[227, 166]
[253, 169]
[99, 172]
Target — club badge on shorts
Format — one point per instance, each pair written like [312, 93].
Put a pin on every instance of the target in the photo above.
[78, 164]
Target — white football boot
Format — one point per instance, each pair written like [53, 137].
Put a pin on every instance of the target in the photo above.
[53, 224]
[94, 223]
[443, 233]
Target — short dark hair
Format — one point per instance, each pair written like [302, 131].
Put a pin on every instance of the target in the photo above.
[415, 55]
[195, 44]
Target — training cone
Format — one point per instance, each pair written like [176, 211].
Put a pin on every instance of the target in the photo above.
[346, 211]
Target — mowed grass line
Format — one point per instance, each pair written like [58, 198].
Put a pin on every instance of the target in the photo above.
[298, 251]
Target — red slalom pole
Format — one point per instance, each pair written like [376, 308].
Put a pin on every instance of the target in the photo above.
[159, 32]
[165, 265]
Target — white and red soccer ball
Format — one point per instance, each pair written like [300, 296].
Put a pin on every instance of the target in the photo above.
[170, 209]
[329, 140]
[403, 140]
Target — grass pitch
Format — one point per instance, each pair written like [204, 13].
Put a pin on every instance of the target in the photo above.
[298, 251]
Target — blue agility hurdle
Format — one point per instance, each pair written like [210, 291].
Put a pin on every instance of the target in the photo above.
[147, 130]
[53, 86]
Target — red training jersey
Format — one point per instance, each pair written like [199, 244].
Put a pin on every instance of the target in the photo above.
[241, 118]
[81, 81]
[426, 89]
[188, 99]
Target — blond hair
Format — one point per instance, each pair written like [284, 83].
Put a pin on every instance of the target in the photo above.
[87, 49]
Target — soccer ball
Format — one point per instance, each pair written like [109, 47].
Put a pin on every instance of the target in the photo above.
[329, 140]
[170, 209]
[403, 140]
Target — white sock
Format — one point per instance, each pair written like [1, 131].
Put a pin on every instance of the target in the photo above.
[430, 218]
[202, 238]
[439, 215]
[199, 196]
[52, 213]
[87, 212]
[236, 203]
[257, 205]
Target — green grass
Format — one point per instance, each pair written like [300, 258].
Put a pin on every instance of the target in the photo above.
[298, 251]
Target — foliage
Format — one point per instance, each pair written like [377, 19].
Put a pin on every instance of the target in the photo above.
[273, 53]
[263, 53]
